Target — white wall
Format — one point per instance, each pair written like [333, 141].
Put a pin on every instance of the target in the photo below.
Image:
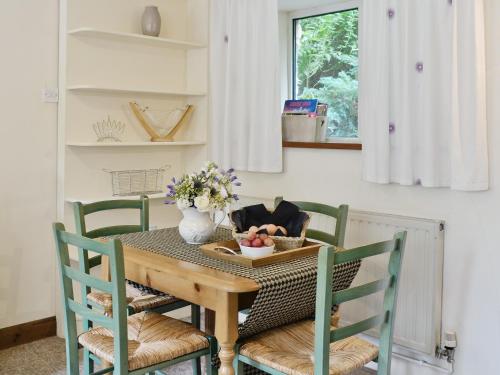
[472, 254]
[28, 36]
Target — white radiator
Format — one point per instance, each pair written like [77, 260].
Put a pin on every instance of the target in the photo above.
[418, 318]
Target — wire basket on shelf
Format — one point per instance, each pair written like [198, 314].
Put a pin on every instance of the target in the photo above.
[137, 181]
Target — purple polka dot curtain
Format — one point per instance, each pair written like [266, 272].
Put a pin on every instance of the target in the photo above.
[245, 85]
[422, 99]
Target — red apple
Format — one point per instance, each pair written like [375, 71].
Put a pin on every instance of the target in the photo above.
[246, 243]
[257, 242]
[251, 236]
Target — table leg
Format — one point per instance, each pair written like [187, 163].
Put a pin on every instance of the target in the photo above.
[226, 329]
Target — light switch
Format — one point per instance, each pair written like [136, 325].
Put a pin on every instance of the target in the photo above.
[50, 95]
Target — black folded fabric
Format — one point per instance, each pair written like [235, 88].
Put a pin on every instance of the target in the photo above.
[286, 215]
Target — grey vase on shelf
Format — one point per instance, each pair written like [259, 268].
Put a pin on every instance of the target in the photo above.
[151, 21]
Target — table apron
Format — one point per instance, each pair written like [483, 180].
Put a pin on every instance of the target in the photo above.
[182, 288]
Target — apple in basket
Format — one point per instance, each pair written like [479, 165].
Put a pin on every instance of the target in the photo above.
[256, 245]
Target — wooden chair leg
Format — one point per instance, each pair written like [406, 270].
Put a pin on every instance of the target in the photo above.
[73, 367]
[195, 316]
[237, 364]
[88, 363]
[196, 366]
[211, 364]
[238, 367]
[195, 321]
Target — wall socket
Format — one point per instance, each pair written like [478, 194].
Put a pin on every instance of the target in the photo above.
[50, 95]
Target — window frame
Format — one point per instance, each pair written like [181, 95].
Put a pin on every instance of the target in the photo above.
[334, 7]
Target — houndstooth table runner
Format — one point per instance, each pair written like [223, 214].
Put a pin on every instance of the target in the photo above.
[288, 289]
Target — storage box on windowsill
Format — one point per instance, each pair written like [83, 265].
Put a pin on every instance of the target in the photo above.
[304, 128]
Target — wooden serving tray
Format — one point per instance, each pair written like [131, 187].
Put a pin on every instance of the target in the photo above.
[308, 248]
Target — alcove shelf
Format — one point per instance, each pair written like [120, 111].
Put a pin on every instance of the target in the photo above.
[104, 198]
[136, 144]
[134, 38]
[131, 90]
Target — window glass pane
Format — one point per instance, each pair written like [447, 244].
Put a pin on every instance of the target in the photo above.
[326, 67]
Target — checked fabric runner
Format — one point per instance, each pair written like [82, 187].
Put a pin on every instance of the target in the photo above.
[288, 289]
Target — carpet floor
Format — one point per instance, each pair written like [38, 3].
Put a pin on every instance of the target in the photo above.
[47, 357]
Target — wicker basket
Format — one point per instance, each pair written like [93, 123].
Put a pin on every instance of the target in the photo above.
[282, 243]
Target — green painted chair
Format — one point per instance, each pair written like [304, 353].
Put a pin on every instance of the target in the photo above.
[336, 238]
[142, 343]
[319, 346]
[139, 297]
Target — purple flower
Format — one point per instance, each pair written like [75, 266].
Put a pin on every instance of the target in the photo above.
[392, 127]
[418, 181]
[230, 170]
[233, 178]
[169, 201]
[235, 197]
[419, 66]
[173, 180]
[390, 13]
[237, 183]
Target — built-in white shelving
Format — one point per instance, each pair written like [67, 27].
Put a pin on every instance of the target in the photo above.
[123, 90]
[104, 64]
[136, 144]
[134, 38]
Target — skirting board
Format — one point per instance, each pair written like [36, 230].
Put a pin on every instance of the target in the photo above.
[27, 332]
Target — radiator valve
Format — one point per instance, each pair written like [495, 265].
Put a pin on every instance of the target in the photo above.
[448, 350]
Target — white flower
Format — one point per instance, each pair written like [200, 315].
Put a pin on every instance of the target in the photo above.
[183, 203]
[202, 203]
[223, 192]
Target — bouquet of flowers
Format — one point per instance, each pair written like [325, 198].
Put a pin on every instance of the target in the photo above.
[210, 189]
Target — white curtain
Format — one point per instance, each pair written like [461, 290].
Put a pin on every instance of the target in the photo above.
[422, 100]
[245, 85]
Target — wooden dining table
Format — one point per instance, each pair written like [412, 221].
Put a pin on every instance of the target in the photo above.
[219, 292]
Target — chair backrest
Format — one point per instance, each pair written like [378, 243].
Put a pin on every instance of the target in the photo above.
[116, 287]
[81, 210]
[336, 238]
[325, 298]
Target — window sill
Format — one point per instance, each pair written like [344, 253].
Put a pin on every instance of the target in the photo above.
[324, 145]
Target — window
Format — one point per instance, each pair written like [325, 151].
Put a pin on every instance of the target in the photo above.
[325, 66]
